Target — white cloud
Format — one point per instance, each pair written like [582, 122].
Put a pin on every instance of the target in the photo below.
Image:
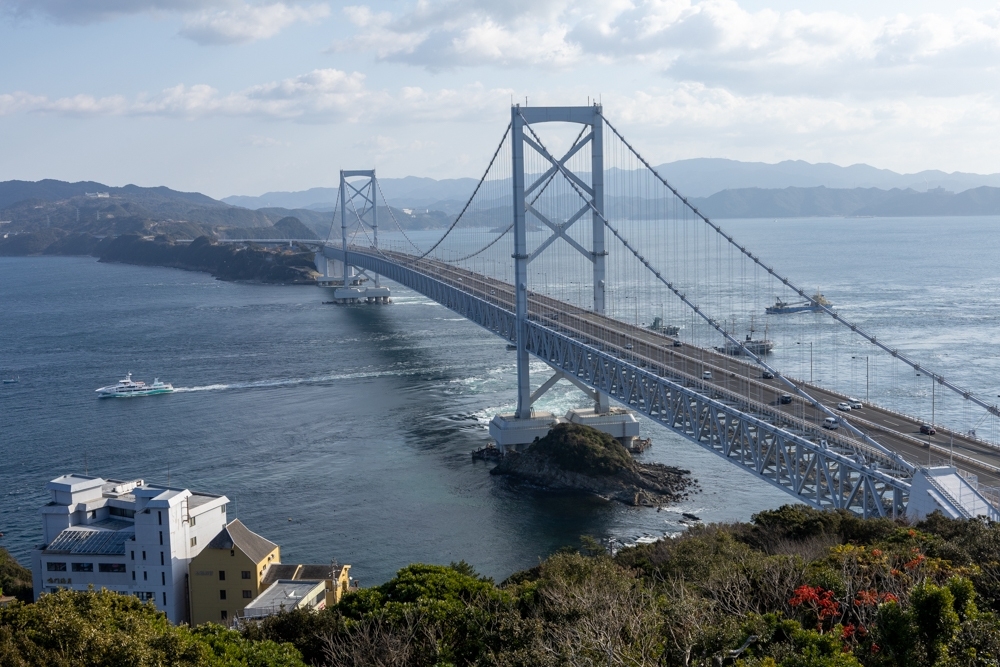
[320, 96]
[716, 42]
[247, 22]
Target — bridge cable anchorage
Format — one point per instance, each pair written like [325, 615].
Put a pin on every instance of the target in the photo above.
[541, 191]
[392, 215]
[967, 395]
[711, 321]
[474, 192]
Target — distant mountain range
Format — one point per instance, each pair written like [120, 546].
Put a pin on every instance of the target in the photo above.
[858, 202]
[701, 177]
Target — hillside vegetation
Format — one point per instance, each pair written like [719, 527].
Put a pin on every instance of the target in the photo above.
[796, 587]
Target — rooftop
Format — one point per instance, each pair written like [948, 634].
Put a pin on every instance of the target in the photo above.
[79, 540]
[285, 593]
[236, 535]
[294, 572]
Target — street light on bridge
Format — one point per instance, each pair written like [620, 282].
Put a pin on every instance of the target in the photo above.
[810, 359]
[866, 377]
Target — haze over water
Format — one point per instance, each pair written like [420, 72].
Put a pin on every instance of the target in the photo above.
[344, 432]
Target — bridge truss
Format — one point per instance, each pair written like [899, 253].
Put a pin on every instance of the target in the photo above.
[531, 207]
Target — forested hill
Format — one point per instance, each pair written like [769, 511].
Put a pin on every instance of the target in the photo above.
[796, 587]
[827, 202]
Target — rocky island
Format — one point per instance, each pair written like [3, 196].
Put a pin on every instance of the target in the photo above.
[578, 458]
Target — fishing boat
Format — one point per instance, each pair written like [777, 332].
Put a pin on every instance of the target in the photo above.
[813, 305]
[128, 388]
[749, 344]
[13, 379]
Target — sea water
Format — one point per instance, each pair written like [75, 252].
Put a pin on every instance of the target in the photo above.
[344, 433]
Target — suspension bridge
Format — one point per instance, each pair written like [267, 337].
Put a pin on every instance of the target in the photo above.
[571, 241]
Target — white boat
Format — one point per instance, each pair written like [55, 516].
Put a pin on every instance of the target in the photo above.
[128, 387]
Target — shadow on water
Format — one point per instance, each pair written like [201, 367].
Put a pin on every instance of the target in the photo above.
[533, 523]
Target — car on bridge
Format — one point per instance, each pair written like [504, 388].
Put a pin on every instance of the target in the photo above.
[830, 423]
[927, 429]
[707, 375]
[767, 375]
[786, 399]
[855, 404]
[846, 407]
[677, 343]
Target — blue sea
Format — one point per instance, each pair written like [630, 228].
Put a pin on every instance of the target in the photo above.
[344, 433]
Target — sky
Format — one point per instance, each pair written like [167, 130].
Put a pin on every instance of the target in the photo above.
[233, 97]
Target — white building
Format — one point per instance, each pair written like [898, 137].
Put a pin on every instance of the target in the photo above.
[125, 536]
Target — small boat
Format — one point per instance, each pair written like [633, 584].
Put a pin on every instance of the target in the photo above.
[128, 387]
[751, 345]
[813, 305]
[666, 329]
[13, 379]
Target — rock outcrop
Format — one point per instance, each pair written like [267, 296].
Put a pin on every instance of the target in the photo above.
[581, 459]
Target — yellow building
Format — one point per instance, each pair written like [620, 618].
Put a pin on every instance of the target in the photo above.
[229, 573]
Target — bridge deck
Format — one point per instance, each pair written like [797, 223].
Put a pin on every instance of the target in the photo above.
[732, 377]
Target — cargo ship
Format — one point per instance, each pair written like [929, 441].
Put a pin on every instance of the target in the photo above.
[813, 305]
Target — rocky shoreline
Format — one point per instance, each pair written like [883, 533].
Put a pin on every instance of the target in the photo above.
[574, 458]
[232, 262]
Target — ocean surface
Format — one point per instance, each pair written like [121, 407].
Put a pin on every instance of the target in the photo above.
[343, 433]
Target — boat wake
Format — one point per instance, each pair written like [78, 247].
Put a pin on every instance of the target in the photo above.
[289, 382]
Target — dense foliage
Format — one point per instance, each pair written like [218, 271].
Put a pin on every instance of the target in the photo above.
[583, 449]
[15, 579]
[107, 629]
[794, 588]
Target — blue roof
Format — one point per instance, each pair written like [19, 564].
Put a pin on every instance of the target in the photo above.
[104, 542]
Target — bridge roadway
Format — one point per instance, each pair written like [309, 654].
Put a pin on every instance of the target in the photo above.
[733, 378]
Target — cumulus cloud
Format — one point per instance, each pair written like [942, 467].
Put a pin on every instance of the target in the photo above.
[203, 21]
[711, 41]
[247, 22]
[320, 96]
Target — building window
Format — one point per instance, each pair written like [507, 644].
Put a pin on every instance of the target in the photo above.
[246, 574]
[194, 541]
[222, 594]
[144, 555]
[133, 575]
[161, 538]
[194, 520]
[145, 576]
[93, 515]
[162, 561]
[133, 555]
[159, 517]
[247, 594]
[163, 578]
[55, 567]
[225, 615]
[164, 599]
[222, 575]
[232, 552]
[83, 567]
[111, 567]
[118, 511]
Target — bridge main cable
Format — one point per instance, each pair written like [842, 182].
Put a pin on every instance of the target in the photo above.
[711, 321]
[964, 393]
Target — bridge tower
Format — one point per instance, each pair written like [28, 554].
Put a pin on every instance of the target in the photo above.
[359, 214]
[525, 424]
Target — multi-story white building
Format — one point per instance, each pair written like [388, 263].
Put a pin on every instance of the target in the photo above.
[125, 536]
